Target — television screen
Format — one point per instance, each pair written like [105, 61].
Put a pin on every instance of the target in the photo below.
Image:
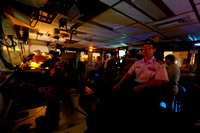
[122, 52]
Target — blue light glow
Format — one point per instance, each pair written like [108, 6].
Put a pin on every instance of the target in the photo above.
[192, 37]
[184, 89]
[163, 104]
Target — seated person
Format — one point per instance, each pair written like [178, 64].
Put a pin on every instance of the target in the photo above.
[37, 58]
[149, 73]
[51, 61]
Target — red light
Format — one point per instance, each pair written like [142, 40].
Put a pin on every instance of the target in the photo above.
[120, 48]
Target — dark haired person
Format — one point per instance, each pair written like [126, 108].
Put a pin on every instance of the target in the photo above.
[172, 69]
[130, 60]
[53, 58]
[159, 55]
[111, 70]
[173, 74]
[50, 63]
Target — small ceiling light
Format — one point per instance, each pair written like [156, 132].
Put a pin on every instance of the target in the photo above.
[91, 48]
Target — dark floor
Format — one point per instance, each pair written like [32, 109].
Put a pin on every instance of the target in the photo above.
[106, 111]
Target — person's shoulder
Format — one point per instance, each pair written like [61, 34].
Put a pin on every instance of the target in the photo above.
[159, 64]
[175, 66]
[139, 61]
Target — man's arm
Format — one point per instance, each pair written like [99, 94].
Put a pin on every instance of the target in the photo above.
[125, 77]
[151, 83]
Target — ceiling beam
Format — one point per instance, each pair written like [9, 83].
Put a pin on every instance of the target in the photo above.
[100, 25]
[195, 9]
[163, 7]
[139, 9]
[140, 23]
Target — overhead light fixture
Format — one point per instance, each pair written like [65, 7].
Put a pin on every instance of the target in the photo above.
[91, 48]
[172, 22]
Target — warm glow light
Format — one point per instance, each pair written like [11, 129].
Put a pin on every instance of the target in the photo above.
[17, 49]
[192, 60]
[35, 65]
[90, 50]
[4, 48]
[43, 54]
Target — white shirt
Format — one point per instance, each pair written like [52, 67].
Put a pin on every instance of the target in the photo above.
[147, 71]
[105, 64]
[173, 73]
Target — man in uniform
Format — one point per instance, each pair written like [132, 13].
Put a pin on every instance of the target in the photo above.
[148, 71]
[140, 96]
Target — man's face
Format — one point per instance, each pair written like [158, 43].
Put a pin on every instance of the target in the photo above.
[37, 52]
[148, 50]
[167, 61]
[128, 54]
[113, 57]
